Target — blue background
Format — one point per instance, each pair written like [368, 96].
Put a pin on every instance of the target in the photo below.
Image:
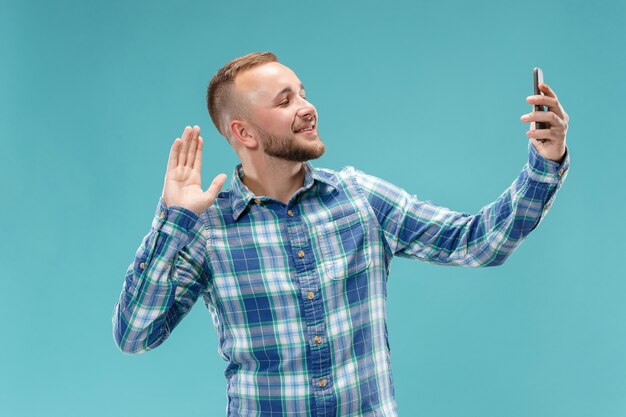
[427, 95]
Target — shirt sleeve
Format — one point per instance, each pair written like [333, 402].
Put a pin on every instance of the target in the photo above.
[420, 229]
[163, 282]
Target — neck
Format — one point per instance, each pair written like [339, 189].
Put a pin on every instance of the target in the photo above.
[277, 178]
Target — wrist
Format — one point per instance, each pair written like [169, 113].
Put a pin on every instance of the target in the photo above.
[543, 169]
[551, 153]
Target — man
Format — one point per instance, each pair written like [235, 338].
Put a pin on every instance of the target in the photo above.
[292, 261]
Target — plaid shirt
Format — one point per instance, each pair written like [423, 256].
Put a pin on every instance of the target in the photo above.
[297, 291]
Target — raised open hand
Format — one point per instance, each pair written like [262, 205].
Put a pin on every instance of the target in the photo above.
[183, 182]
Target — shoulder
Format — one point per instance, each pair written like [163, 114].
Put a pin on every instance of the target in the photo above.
[356, 179]
[346, 175]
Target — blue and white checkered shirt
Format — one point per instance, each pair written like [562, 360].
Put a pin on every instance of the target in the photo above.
[297, 291]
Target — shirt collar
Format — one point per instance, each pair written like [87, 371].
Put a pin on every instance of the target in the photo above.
[240, 195]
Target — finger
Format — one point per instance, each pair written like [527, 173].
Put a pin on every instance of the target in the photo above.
[182, 155]
[197, 163]
[544, 116]
[173, 159]
[541, 134]
[215, 187]
[558, 109]
[547, 90]
[552, 104]
[193, 144]
[542, 100]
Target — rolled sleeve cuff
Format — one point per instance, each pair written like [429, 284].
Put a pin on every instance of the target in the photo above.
[541, 169]
[175, 221]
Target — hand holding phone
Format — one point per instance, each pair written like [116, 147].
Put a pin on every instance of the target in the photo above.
[549, 119]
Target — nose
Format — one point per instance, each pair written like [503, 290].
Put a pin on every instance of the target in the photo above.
[306, 111]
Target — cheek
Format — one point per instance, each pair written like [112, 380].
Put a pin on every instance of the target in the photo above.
[277, 121]
[283, 122]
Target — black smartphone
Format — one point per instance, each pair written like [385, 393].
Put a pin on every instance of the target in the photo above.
[537, 79]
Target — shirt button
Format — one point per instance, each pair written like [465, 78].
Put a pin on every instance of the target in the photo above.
[562, 171]
[142, 265]
[290, 213]
[162, 215]
[257, 201]
[317, 339]
[310, 295]
[300, 254]
[322, 382]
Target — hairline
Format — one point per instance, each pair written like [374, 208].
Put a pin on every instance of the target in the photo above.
[224, 102]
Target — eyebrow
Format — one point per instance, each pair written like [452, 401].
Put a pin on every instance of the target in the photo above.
[287, 90]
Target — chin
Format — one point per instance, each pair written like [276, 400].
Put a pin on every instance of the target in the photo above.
[318, 151]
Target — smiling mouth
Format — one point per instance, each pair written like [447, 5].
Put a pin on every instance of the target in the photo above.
[308, 128]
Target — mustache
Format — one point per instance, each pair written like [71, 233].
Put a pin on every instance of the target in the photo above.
[310, 121]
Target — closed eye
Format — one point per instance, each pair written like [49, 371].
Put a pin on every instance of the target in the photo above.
[285, 102]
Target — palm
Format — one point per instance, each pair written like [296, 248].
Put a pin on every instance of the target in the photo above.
[183, 182]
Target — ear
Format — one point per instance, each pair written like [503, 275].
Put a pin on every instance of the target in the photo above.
[244, 133]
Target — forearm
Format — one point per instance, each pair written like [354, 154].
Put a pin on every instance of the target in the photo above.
[490, 237]
[419, 229]
[162, 283]
[508, 221]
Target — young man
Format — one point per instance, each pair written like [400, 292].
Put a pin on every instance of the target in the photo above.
[292, 261]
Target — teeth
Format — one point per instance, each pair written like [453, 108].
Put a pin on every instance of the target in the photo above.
[306, 129]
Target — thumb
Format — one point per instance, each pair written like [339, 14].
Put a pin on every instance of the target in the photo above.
[215, 187]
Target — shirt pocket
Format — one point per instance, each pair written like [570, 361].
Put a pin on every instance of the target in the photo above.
[345, 246]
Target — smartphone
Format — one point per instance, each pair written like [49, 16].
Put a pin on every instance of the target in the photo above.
[537, 79]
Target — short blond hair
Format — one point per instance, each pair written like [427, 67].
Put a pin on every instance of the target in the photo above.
[222, 102]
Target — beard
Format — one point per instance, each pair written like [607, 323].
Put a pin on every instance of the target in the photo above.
[290, 147]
